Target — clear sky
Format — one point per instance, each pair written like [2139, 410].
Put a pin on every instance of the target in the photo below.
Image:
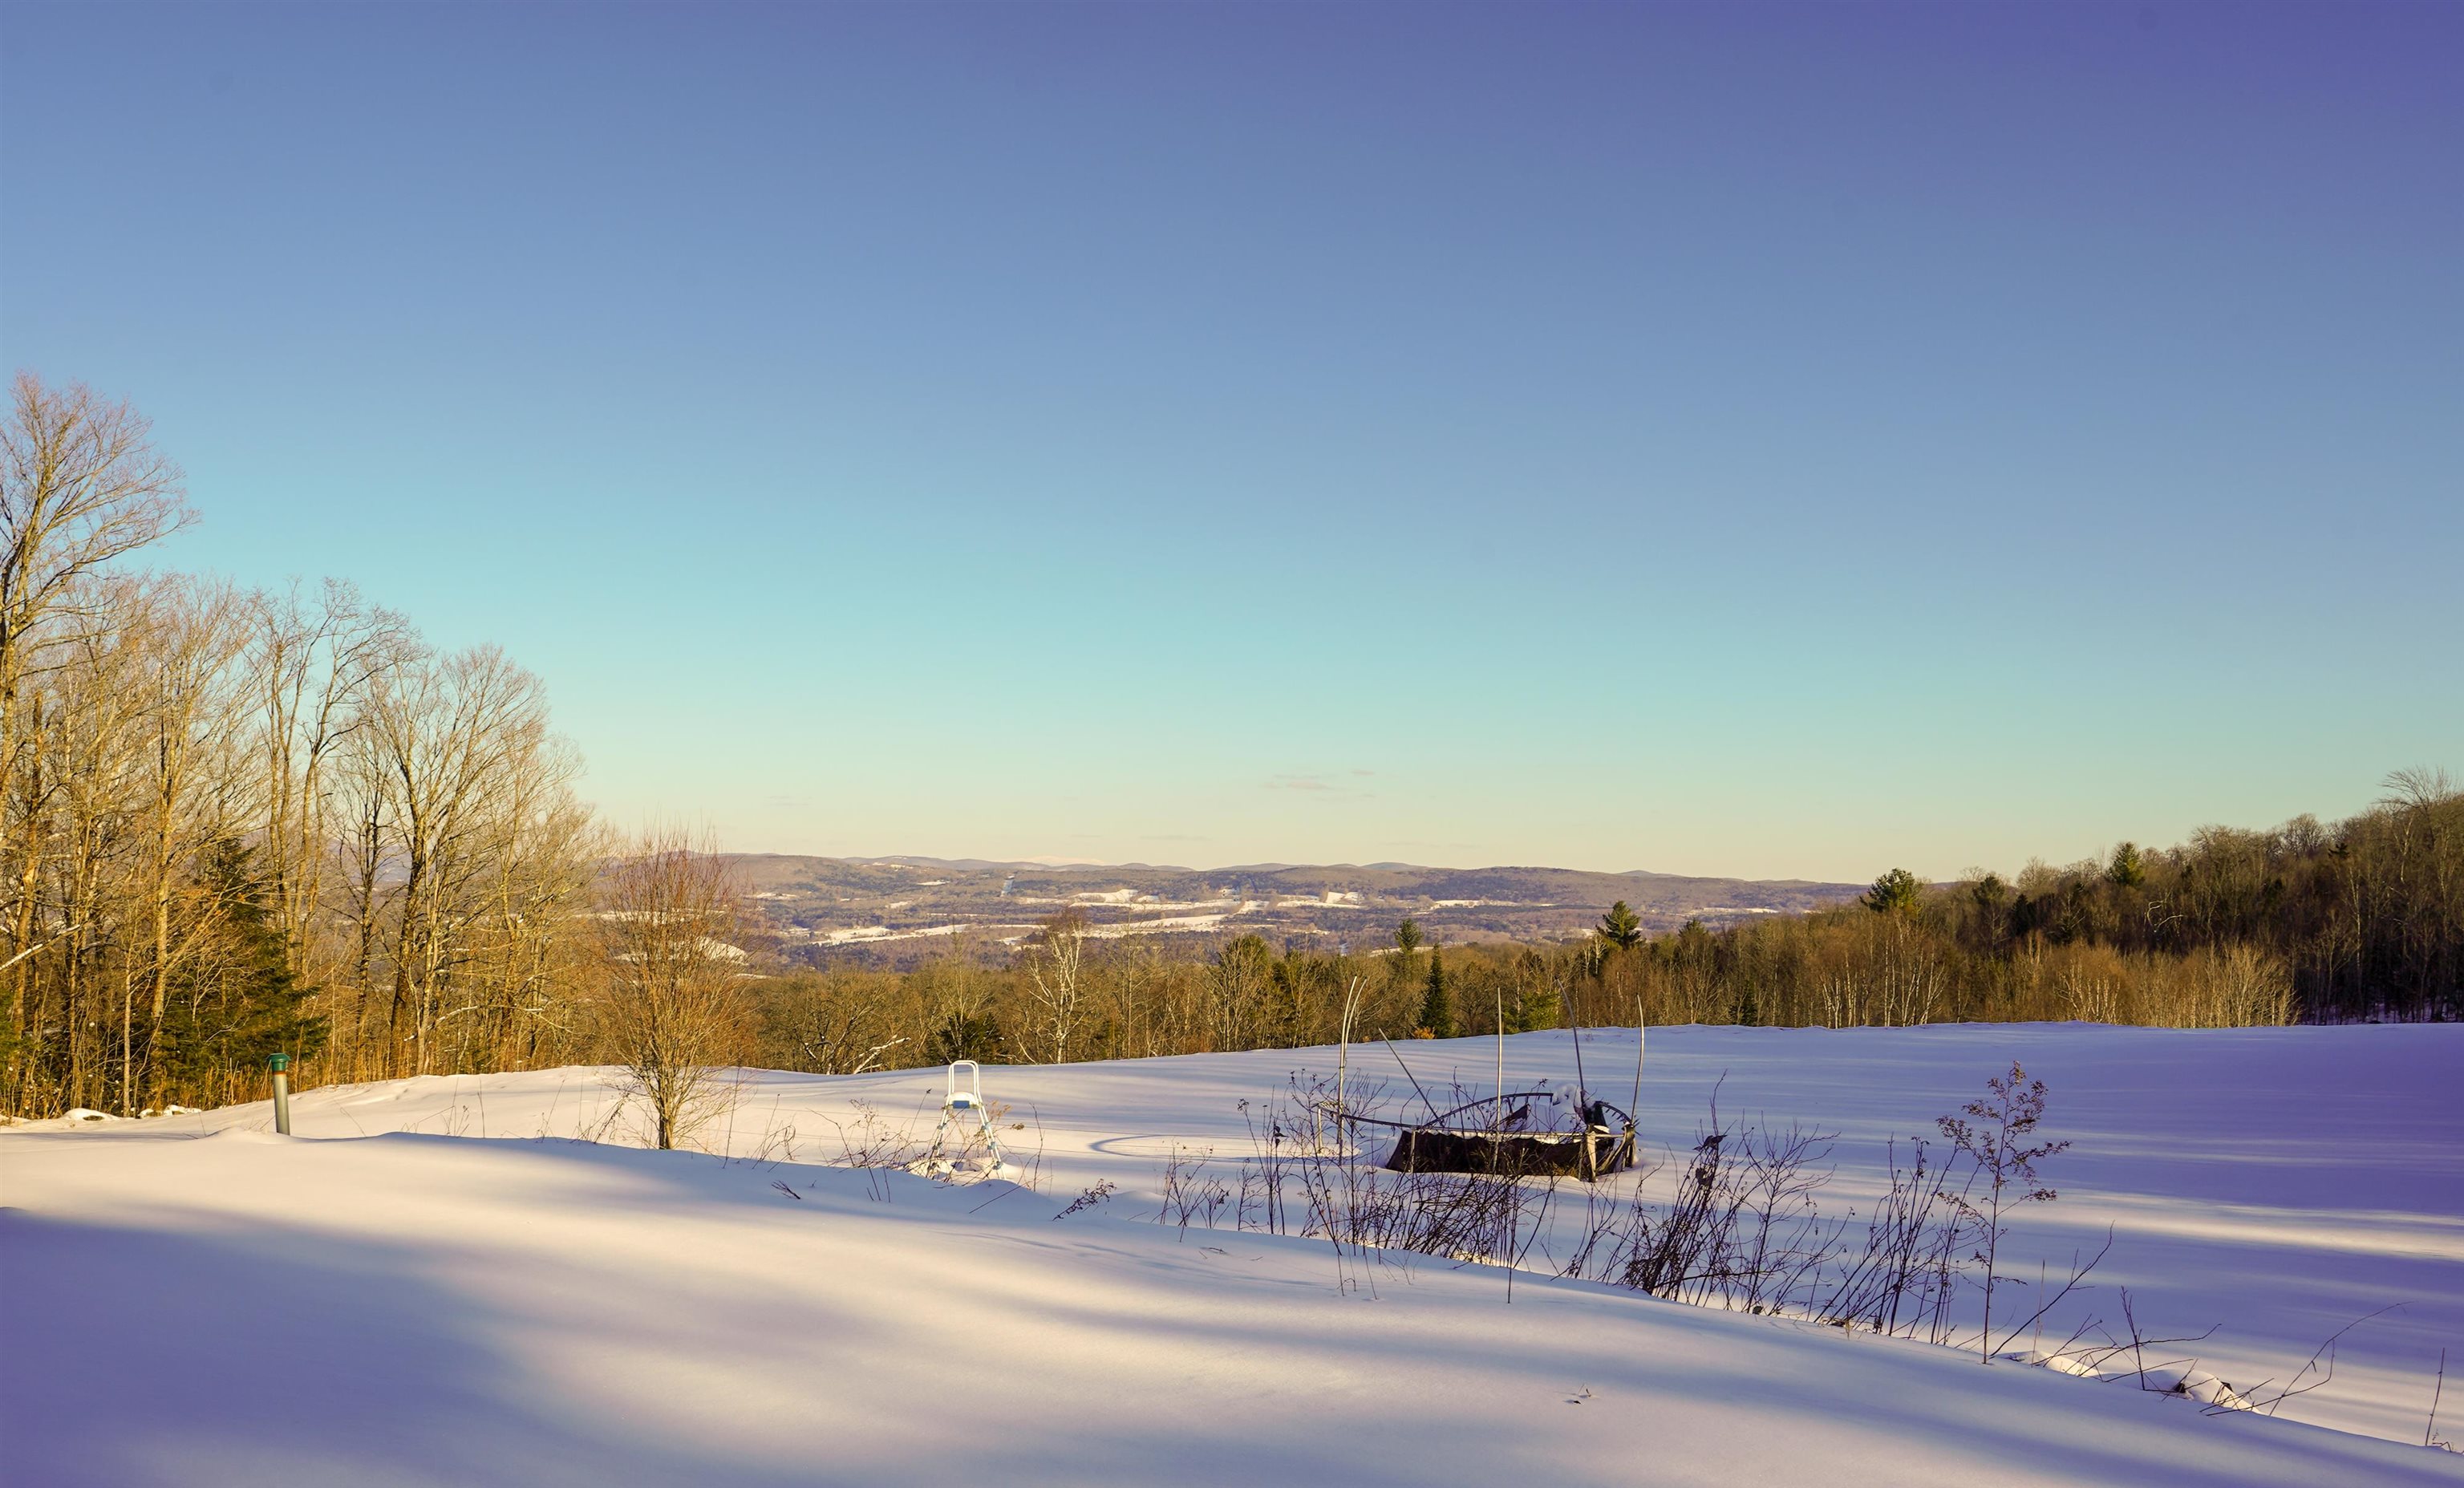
[1708, 438]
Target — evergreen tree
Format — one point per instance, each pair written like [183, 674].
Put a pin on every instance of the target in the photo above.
[1694, 945]
[1436, 1008]
[2128, 870]
[1401, 966]
[1407, 937]
[1894, 893]
[1294, 978]
[235, 1001]
[1621, 927]
[1989, 914]
[964, 1035]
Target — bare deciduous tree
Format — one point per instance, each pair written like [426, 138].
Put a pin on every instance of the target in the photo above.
[672, 1013]
[1056, 980]
[313, 663]
[193, 789]
[80, 485]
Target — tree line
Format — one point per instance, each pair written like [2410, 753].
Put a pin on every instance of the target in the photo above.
[238, 821]
[2363, 919]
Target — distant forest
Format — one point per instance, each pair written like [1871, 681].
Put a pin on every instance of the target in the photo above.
[235, 823]
[2363, 919]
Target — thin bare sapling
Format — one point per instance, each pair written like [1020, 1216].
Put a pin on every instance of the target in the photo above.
[1998, 1134]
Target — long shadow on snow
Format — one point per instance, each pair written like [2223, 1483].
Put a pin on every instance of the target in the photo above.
[359, 1326]
[281, 1355]
[2037, 1419]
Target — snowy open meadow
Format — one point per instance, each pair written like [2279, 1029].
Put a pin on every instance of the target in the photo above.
[490, 1280]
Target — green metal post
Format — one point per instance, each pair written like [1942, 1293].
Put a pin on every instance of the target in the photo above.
[281, 1094]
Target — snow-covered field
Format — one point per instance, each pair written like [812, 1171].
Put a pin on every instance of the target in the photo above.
[386, 1298]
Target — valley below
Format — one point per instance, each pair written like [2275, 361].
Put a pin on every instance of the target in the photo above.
[895, 911]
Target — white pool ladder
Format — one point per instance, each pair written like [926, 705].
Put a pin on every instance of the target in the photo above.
[965, 1115]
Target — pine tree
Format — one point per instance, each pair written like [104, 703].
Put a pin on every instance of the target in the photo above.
[235, 1001]
[1287, 1000]
[964, 1035]
[1436, 1008]
[1401, 966]
[1896, 892]
[1992, 896]
[1621, 927]
[2128, 870]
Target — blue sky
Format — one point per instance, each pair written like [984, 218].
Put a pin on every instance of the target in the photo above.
[1708, 438]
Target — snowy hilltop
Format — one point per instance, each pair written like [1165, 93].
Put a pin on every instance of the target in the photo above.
[490, 1280]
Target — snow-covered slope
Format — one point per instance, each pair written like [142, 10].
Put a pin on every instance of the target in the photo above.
[385, 1298]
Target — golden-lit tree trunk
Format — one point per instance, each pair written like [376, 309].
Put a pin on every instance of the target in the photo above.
[80, 485]
[194, 639]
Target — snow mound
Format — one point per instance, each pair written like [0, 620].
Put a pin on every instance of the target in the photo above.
[2060, 1364]
[2195, 1383]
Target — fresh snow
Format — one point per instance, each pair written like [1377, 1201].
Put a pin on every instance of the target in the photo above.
[387, 1298]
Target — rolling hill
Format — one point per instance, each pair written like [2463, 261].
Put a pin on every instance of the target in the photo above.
[893, 909]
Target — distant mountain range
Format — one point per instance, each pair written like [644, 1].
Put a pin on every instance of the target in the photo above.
[894, 909]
